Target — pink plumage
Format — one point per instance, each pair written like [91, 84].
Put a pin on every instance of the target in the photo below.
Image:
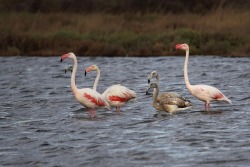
[204, 93]
[118, 95]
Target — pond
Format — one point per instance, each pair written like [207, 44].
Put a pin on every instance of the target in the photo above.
[41, 123]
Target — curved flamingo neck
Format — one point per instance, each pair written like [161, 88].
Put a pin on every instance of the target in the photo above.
[186, 70]
[97, 79]
[73, 76]
[155, 95]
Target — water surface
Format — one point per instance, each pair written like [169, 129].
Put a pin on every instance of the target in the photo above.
[41, 124]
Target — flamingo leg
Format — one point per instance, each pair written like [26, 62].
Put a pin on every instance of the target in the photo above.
[118, 111]
[205, 106]
[93, 111]
[208, 106]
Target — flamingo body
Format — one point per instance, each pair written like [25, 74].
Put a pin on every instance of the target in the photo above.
[170, 104]
[115, 95]
[208, 93]
[204, 93]
[90, 98]
[118, 95]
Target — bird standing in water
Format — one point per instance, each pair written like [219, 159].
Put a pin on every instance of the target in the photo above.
[87, 97]
[168, 104]
[204, 93]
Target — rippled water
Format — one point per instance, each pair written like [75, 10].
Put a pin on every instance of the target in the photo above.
[41, 124]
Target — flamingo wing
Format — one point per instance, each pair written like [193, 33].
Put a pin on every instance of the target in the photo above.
[91, 98]
[217, 95]
[170, 95]
[175, 104]
[118, 94]
[208, 93]
[175, 101]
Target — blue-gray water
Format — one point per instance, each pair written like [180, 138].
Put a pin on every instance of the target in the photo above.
[41, 124]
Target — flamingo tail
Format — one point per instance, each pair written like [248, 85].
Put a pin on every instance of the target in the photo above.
[226, 100]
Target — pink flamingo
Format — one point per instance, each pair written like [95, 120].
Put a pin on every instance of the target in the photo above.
[115, 95]
[87, 97]
[204, 93]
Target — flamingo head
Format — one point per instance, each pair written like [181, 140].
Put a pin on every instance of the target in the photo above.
[69, 68]
[182, 46]
[91, 68]
[151, 85]
[152, 75]
[69, 55]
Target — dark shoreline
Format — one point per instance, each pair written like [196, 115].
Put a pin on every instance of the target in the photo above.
[179, 55]
[136, 35]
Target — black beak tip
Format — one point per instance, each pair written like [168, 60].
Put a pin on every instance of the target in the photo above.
[148, 80]
[65, 71]
[61, 60]
[147, 93]
[85, 73]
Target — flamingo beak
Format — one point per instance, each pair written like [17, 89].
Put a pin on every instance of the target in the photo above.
[177, 46]
[61, 60]
[85, 73]
[65, 71]
[64, 57]
[148, 81]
